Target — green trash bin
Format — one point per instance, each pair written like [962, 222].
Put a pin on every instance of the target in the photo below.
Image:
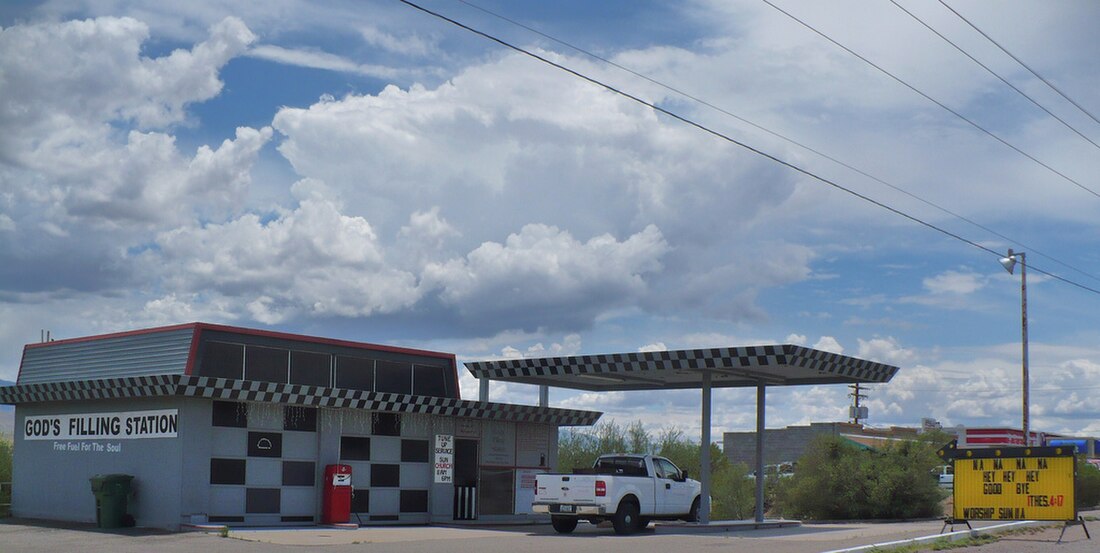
[111, 493]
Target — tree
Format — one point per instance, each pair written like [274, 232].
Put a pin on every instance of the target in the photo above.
[1087, 488]
[839, 479]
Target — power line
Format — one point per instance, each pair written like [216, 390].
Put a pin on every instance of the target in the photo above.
[995, 74]
[1021, 62]
[935, 101]
[788, 139]
[731, 140]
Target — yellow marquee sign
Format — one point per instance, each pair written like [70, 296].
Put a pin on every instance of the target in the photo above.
[1018, 483]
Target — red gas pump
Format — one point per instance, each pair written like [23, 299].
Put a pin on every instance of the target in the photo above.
[336, 498]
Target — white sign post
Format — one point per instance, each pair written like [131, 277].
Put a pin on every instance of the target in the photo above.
[444, 458]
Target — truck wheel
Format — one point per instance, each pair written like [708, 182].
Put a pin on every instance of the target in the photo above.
[625, 520]
[693, 514]
[563, 525]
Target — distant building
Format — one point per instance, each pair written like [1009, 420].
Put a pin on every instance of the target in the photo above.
[785, 445]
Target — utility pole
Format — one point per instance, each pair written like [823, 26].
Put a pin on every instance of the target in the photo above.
[857, 412]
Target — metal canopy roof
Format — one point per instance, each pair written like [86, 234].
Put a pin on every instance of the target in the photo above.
[776, 365]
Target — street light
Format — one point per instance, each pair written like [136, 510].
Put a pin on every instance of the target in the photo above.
[1009, 263]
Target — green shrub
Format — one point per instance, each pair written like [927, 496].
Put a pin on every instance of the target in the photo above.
[1087, 490]
[838, 479]
[5, 474]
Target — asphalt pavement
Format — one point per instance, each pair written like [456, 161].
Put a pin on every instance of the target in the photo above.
[31, 536]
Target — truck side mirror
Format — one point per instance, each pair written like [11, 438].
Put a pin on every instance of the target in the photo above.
[683, 475]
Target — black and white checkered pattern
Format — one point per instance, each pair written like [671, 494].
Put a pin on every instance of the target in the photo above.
[109, 388]
[819, 365]
[270, 392]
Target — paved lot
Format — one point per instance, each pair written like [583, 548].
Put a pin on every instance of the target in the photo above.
[21, 536]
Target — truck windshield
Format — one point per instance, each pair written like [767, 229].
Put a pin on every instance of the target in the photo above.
[626, 466]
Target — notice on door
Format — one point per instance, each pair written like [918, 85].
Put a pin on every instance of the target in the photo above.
[444, 458]
[130, 425]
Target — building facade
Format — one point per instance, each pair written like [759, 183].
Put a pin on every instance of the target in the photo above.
[236, 426]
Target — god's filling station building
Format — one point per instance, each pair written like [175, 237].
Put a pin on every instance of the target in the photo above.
[213, 424]
[227, 425]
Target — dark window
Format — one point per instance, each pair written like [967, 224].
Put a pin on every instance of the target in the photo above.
[302, 419]
[297, 518]
[219, 518]
[265, 364]
[354, 373]
[384, 518]
[221, 360]
[385, 476]
[310, 369]
[429, 381]
[227, 471]
[354, 449]
[414, 451]
[261, 500]
[414, 501]
[230, 413]
[360, 500]
[265, 444]
[393, 377]
[298, 473]
[495, 492]
[386, 424]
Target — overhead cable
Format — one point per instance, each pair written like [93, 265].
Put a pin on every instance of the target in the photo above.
[781, 136]
[727, 138]
[964, 118]
[995, 74]
[1021, 62]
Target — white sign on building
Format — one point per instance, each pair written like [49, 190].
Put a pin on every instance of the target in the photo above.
[444, 458]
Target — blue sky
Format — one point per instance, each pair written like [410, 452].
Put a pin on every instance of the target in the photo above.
[363, 171]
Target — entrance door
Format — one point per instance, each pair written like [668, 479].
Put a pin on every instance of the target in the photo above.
[465, 479]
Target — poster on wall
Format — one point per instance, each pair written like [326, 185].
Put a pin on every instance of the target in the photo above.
[444, 458]
[498, 443]
[525, 489]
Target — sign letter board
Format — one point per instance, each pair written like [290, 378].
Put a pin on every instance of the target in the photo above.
[1013, 483]
[444, 458]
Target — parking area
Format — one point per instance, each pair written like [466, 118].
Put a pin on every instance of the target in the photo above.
[31, 536]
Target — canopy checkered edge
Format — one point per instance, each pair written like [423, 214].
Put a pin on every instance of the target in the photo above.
[776, 365]
[291, 394]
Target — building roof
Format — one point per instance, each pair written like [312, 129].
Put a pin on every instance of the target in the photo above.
[161, 350]
[730, 367]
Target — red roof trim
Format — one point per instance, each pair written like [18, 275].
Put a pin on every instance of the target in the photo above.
[193, 353]
[199, 327]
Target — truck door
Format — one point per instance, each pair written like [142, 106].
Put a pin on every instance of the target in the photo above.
[674, 496]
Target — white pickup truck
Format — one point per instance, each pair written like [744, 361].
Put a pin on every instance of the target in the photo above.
[628, 490]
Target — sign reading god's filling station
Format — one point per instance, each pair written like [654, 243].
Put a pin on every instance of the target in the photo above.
[1020, 483]
[162, 423]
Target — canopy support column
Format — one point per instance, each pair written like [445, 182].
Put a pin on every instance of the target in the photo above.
[544, 395]
[483, 390]
[704, 454]
[760, 476]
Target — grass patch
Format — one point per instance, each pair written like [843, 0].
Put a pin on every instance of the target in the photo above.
[940, 545]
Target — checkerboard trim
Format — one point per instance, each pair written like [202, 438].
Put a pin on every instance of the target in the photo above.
[291, 394]
[824, 364]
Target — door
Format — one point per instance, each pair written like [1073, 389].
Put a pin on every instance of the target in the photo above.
[673, 493]
[465, 479]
